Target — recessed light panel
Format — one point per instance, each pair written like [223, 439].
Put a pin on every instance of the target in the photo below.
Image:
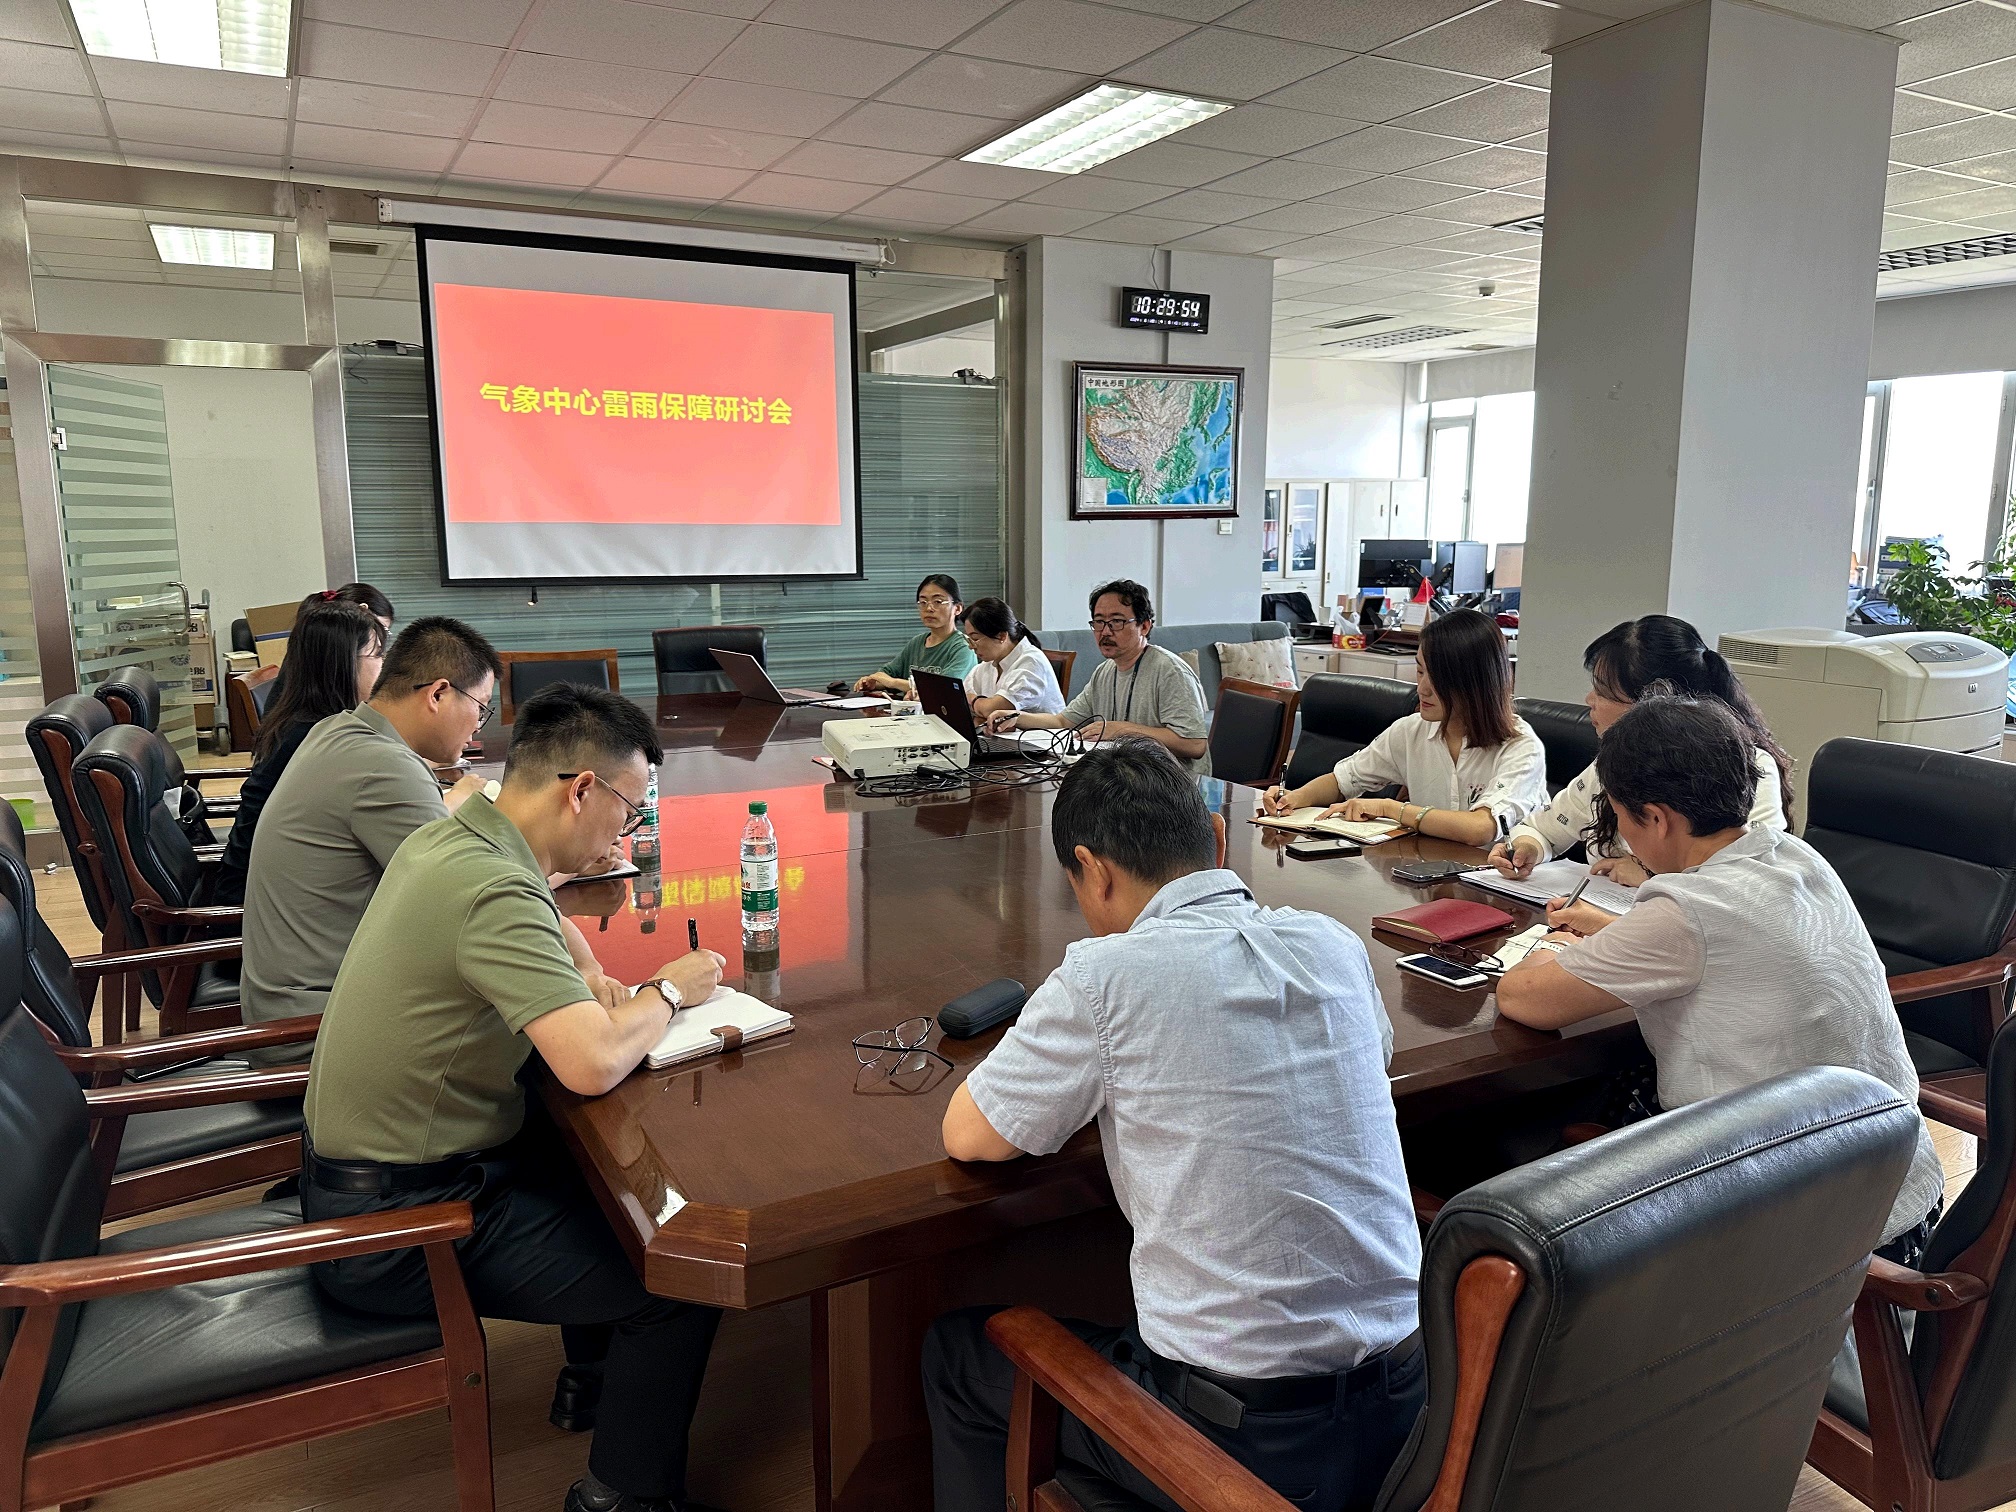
[1096, 127]
[244, 36]
[214, 248]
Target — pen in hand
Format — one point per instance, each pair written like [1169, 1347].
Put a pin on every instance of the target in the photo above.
[693, 933]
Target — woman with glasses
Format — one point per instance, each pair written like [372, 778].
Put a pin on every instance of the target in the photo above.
[940, 648]
[1470, 768]
[1013, 672]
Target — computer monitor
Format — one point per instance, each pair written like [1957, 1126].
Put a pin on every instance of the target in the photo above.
[1394, 563]
[1511, 561]
[1459, 566]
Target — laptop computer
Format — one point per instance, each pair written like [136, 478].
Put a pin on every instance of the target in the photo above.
[946, 697]
[751, 681]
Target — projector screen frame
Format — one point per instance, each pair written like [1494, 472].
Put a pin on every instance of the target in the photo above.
[425, 232]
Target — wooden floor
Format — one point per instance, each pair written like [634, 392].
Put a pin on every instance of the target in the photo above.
[752, 1440]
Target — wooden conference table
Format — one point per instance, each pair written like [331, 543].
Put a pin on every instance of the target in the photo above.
[785, 1170]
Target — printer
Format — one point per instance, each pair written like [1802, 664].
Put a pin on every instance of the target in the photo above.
[1928, 688]
[894, 747]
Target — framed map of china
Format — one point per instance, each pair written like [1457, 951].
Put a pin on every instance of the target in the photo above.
[1155, 443]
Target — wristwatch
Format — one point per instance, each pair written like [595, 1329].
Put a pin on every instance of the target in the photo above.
[668, 992]
[1552, 947]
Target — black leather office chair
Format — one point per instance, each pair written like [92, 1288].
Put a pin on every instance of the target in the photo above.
[526, 672]
[154, 873]
[1644, 1321]
[1288, 608]
[242, 638]
[133, 695]
[1342, 715]
[1250, 731]
[58, 736]
[1925, 842]
[1565, 734]
[247, 1352]
[685, 657]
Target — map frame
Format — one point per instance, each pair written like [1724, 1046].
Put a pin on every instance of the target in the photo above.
[1159, 508]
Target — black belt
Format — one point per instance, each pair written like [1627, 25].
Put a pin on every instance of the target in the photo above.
[1225, 1400]
[377, 1178]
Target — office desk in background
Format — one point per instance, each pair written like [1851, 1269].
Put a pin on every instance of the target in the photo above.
[782, 1171]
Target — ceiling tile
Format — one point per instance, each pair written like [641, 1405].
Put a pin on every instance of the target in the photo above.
[853, 165]
[95, 146]
[1486, 168]
[192, 88]
[1976, 137]
[1920, 184]
[545, 126]
[372, 57]
[1329, 248]
[1914, 112]
[372, 107]
[489, 21]
[978, 86]
[683, 181]
[1395, 230]
[1229, 65]
[1148, 229]
[168, 125]
[720, 146]
[31, 110]
[906, 128]
[1504, 38]
[919, 23]
[1354, 27]
[1181, 10]
[619, 31]
[1265, 129]
[1957, 37]
[181, 154]
[34, 21]
[1069, 34]
[529, 165]
[1243, 241]
[791, 191]
[1490, 209]
[372, 149]
[1211, 206]
[744, 10]
[1390, 194]
[1971, 207]
[1085, 191]
[1406, 257]
[986, 180]
[1373, 89]
[1495, 114]
[52, 70]
[2000, 167]
[1489, 242]
[1384, 149]
[922, 205]
[1310, 219]
[1992, 86]
[1025, 219]
[787, 56]
[758, 107]
[1171, 162]
[613, 88]
[1289, 179]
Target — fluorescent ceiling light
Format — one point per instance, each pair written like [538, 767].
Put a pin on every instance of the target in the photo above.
[213, 248]
[1099, 125]
[245, 36]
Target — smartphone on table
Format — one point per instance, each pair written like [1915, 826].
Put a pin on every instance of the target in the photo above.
[1448, 973]
[1427, 871]
[1324, 850]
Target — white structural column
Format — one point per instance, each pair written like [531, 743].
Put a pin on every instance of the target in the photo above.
[1714, 213]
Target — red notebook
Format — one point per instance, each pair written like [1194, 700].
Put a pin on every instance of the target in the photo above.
[1443, 920]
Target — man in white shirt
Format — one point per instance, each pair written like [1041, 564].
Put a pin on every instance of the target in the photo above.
[1743, 956]
[1275, 1255]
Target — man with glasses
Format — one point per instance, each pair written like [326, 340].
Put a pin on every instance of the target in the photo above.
[460, 970]
[1138, 690]
[360, 784]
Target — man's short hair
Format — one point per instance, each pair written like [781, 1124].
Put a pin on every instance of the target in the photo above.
[1690, 754]
[1131, 804]
[566, 727]
[1130, 593]
[435, 647]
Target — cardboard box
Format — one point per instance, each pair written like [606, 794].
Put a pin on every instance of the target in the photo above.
[203, 668]
[271, 625]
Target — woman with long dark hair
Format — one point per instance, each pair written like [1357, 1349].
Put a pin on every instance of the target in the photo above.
[1655, 654]
[1013, 672]
[1471, 767]
[333, 655]
[939, 648]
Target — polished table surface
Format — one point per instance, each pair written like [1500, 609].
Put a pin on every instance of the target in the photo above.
[784, 1169]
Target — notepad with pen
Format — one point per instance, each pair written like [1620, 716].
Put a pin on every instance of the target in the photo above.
[726, 1021]
[1310, 821]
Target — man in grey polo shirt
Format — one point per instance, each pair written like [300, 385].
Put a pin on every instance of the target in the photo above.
[359, 785]
[1235, 1059]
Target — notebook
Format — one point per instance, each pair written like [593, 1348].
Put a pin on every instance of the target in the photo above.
[1445, 920]
[1309, 821]
[726, 1021]
[1516, 949]
[1555, 879]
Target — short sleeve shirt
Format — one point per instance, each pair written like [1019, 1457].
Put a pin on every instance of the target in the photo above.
[424, 1034]
[1508, 781]
[951, 656]
[1159, 689]
[1024, 677]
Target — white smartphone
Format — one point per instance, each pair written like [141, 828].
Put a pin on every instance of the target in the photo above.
[1448, 973]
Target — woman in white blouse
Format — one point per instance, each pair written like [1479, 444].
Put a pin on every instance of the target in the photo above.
[1012, 672]
[1471, 767]
[1655, 654]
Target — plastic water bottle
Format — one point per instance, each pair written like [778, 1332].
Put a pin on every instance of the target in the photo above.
[759, 880]
[644, 844]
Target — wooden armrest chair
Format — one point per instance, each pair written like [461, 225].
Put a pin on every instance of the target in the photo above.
[1251, 729]
[245, 695]
[1061, 662]
[1556, 1373]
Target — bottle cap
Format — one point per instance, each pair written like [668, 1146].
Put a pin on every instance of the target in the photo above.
[759, 808]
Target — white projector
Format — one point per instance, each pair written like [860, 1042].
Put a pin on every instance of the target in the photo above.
[894, 747]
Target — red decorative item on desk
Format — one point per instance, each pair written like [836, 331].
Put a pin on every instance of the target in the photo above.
[1442, 921]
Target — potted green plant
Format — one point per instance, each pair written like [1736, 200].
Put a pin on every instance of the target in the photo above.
[1932, 597]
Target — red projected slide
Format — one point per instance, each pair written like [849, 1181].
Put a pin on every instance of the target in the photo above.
[558, 408]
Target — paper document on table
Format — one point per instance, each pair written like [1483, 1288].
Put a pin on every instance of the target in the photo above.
[726, 1021]
[1310, 821]
[862, 702]
[1516, 949]
[1555, 879]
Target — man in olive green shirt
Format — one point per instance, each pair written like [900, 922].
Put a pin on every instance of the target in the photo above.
[458, 972]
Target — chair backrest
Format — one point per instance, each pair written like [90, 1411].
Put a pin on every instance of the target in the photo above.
[685, 657]
[1566, 735]
[246, 695]
[1925, 842]
[121, 778]
[1342, 715]
[242, 638]
[49, 987]
[1979, 1429]
[50, 1200]
[526, 672]
[58, 736]
[134, 697]
[1061, 662]
[1250, 731]
[1287, 608]
[1671, 1295]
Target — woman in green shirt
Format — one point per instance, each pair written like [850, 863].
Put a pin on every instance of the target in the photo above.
[941, 648]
